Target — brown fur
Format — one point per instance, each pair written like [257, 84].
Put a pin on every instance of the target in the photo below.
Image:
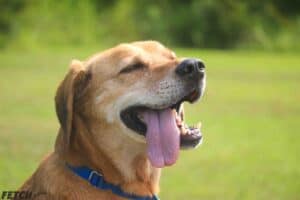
[87, 139]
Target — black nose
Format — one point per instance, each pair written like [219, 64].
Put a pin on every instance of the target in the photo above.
[191, 68]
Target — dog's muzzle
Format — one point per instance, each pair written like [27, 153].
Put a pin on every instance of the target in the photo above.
[163, 124]
[192, 71]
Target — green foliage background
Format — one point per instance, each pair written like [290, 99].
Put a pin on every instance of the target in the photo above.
[268, 24]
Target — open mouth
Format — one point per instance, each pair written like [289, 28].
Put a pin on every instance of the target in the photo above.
[164, 129]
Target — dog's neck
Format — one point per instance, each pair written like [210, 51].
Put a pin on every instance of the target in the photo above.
[138, 177]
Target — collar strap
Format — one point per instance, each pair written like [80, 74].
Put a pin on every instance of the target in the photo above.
[97, 180]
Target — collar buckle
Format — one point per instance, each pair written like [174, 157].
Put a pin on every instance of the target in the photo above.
[94, 175]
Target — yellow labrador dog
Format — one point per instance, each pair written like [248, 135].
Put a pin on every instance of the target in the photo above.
[121, 121]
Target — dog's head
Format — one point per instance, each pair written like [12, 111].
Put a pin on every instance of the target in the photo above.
[130, 101]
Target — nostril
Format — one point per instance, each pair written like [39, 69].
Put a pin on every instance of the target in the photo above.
[189, 69]
[200, 66]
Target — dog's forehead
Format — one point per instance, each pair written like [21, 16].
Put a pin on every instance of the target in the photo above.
[150, 52]
[146, 51]
[155, 48]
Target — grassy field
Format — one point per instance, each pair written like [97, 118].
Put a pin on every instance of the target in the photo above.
[250, 116]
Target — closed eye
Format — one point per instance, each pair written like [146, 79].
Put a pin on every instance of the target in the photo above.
[130, 68]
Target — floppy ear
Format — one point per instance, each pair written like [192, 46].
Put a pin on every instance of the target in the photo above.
[71, 89]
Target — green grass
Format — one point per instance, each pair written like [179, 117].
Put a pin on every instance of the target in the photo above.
[250, 116]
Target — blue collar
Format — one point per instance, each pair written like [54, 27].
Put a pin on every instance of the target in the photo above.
[96, 179]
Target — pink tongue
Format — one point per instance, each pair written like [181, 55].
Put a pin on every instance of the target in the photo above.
[162, 137]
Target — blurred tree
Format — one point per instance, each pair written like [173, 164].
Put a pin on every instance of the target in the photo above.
[290, 8]
[206, 23]
[193, 23]
[8, 11]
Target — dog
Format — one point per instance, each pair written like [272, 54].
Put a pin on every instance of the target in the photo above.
[121, 121]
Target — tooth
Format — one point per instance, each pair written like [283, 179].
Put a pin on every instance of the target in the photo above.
[175, 116]
[140, 116]
[199, 125]
[174, 112]
[181, 111]
[181, 130]
[184, 129]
